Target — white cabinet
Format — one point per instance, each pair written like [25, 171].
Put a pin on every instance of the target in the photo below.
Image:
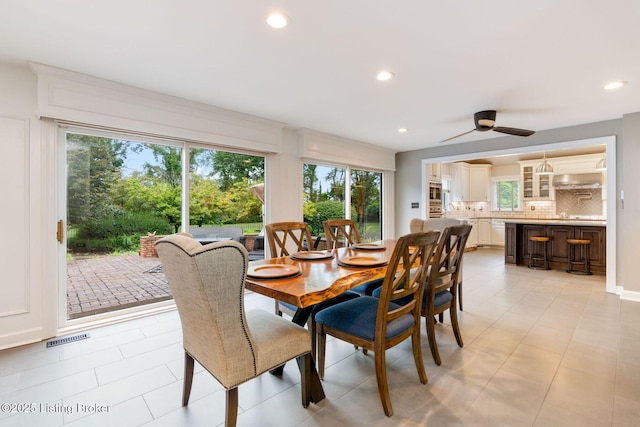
[576, 164]
[484, 231]
[435, 172]
[472, 240]
[479, 183]
[470, 183]
[497, 232]
[535, 187]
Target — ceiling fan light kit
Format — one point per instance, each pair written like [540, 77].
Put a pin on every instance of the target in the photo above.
[485, 121]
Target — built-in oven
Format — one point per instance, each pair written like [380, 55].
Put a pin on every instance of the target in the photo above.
[435, 199]
[435, 190]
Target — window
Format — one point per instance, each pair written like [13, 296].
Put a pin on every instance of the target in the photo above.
[325, 198]
[506, 194]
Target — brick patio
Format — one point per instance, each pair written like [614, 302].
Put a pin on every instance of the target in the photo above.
[105, 283]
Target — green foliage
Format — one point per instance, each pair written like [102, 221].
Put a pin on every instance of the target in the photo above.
[121, 223]
[330, 209]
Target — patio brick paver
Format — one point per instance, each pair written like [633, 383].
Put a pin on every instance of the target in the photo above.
[105, 283]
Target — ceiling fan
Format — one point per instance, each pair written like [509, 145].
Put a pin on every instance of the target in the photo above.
[485, 120]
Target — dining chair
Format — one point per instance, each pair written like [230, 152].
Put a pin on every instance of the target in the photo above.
[380, 323]
[347, 229]
[441, 291]
[233, 345]
[286, 238]
[440, 224]
[335, 229]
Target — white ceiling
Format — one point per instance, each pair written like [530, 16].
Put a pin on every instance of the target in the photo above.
[541, 64]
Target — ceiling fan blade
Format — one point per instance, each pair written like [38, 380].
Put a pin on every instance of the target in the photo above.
[457, 136]
[514, 131]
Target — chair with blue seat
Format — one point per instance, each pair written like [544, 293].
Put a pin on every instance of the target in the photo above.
[378, 324]
[439, 224]
[441, 290]
[347, 230]
[286, 238]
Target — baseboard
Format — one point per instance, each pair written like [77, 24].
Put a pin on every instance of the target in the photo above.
[630, 295]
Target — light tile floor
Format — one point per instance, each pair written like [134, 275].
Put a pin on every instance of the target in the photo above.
[542, 348]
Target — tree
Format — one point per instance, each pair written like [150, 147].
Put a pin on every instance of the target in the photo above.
[93, 168]
[229, 168]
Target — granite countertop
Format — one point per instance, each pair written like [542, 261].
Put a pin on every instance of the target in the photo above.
[578, 222]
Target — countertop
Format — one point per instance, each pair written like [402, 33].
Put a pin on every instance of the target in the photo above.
[575, 222]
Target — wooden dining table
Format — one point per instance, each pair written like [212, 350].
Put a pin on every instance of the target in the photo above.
[318, 280]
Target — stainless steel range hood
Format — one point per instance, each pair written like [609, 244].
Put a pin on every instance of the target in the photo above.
[583, 180]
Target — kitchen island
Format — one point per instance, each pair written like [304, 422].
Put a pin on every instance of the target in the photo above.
[517, 233]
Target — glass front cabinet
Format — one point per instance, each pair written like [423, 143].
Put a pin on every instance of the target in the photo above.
[535, 187]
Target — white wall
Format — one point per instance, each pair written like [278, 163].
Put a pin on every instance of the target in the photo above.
[20, 173]
[29, 296]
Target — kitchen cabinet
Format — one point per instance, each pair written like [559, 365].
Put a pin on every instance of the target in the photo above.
[576, 164]
[598, 237]
[497, 232]
[472, 240]
[435, 172]
[510, 244]
[484, 231]
[479, 183]
[533, 186]
[470, 183]
[517, 243]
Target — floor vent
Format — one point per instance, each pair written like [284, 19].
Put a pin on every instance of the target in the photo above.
[65, 340]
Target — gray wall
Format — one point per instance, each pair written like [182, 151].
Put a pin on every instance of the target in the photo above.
[627, 133]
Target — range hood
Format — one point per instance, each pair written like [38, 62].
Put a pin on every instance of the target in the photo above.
[582, 180]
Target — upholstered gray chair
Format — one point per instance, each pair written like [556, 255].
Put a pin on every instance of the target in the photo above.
[439, 224]
[207, 283]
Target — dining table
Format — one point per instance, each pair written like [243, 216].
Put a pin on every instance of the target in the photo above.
[307, 278]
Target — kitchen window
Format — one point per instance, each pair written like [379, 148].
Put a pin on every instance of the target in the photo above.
[506, 194]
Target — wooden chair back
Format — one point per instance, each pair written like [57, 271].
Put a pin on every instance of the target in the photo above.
[334, 229]
[286, 238]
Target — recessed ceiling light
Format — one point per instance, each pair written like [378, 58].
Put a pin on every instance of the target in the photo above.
[615, 84]
[402, 130]
[385, 75]
[277, 20]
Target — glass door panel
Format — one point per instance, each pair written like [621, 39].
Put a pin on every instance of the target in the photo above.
[120, 196]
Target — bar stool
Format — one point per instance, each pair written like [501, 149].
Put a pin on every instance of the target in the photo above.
[583, 244]
[535, 255]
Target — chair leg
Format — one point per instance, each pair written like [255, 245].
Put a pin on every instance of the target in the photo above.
[454, 324]
[278, 312]
[321, 342]
[431, 334]
[231, 410]
[305, 378]
[460, 295]
[417, 354]
[313, 329]
[188, 378]
[381, 377]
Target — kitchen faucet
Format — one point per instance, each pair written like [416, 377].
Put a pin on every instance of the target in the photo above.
[446, 208]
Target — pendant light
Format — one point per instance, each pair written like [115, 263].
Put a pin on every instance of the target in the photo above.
[601, 166]
[544, 168]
